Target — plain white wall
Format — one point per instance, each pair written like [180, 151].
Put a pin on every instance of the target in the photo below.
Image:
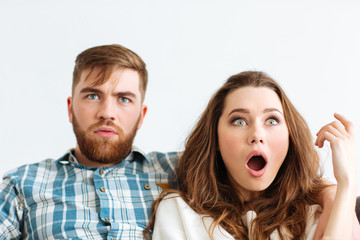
[312, 48]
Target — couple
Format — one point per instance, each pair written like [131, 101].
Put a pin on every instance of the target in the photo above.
[104, 188]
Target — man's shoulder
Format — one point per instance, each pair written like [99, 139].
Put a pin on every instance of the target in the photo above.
[33, 169]
[163, 160]
[164, 156]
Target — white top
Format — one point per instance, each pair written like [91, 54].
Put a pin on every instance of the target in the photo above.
[177, 221]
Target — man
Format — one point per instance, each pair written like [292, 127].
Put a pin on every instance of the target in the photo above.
[104, 188]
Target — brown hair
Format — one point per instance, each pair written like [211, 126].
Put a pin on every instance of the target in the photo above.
[204, 184]
[109, 58]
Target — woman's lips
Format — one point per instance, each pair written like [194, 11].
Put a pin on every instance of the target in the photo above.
[256, 163]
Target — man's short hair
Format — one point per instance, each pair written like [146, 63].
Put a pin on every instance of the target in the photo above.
[109, 58]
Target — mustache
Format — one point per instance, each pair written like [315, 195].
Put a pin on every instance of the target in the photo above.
[102, 123]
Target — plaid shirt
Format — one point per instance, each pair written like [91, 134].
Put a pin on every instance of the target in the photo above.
[63, 199]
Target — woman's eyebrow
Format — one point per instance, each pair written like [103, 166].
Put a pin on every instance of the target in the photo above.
[243, 110]
[266, 110]
[240, 110]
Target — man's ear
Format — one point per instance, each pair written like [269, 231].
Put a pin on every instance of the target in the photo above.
[69, 105]
[142, 115]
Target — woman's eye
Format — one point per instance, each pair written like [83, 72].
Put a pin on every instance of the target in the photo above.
[239, 122]
[271, 122]
[92, 96]
[124, 100]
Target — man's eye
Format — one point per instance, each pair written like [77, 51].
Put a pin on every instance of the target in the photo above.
[124, 100]
[239, 122]
[93, 96]
[271, 122]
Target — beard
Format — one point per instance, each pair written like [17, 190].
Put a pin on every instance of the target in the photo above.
[104, 150]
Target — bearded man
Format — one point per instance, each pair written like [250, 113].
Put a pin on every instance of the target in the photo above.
[104, 188]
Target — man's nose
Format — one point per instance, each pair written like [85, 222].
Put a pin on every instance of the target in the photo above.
[106, 110]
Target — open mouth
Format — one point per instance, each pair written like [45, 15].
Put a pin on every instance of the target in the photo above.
[256, 163]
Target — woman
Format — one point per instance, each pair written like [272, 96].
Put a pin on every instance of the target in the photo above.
[250, 170]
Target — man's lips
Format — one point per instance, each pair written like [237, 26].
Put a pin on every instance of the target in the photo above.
[105, 132]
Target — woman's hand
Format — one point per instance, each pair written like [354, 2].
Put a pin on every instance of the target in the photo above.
[340, 135]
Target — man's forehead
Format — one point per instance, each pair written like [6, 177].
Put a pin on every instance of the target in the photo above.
[98, 75]
[118, 78]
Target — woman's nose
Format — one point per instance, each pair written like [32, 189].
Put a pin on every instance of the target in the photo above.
[256, 135]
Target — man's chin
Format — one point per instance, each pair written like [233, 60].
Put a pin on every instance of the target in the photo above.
[106, 150]
[108, 155]
[106, 140]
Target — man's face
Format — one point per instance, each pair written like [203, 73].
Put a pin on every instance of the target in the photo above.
[105, 118]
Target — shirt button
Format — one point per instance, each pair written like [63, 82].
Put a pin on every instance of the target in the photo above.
[147, 186]
[102, 189]
[101, 172]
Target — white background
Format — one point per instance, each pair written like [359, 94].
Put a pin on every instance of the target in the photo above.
[312, 48]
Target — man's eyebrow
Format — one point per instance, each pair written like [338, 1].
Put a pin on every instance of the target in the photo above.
[126, 94]
[90, 90]
[119, 94]
[266, 110]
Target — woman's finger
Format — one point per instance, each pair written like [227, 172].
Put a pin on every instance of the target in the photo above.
[340, 128]
[335, 129]
[349, 126]
[325, 136]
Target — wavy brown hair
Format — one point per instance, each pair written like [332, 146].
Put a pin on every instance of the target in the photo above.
[204, 184]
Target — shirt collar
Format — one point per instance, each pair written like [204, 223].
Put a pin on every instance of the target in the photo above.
[135, 150]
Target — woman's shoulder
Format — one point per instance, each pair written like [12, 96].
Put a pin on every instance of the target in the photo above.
[173, 205]
[173, 198]
[176, 215]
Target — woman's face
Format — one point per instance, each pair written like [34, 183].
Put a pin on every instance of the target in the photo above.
[253, 138]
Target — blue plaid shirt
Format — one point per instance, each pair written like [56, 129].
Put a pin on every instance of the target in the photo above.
[58, 199]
